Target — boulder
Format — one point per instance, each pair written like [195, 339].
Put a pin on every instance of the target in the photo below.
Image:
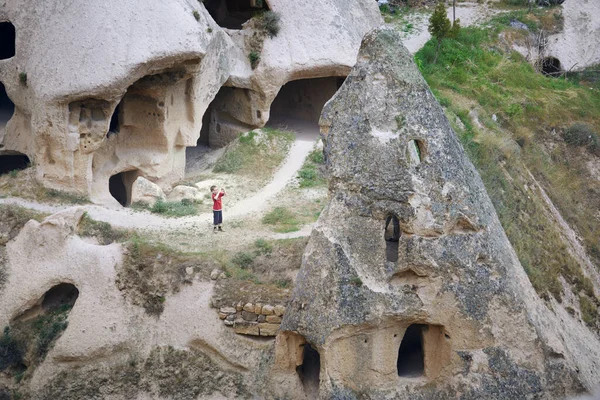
[184, 192]
[145, 191]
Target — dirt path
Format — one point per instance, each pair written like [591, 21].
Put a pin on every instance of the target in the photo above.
[306, 136]
[468, 13]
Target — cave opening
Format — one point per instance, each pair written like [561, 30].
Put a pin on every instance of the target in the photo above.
[7, 40]
[411, 357]
[120, 186]
[13, 161]
[551, 67]
[309, 371]
[115, 120]
[302, 101]
[61, 295]
[232, 14]
[7, 107]
[392, 235]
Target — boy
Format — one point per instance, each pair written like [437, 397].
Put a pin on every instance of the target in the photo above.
[217, 196]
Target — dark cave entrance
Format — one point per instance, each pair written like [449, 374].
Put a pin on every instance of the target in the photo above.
[115, 121]
[304, 99]
[7, 107]
[310, 371]
[61, 295]
[13, 162]
[551, 67]
[411, 357]
[232, 14]
[120, 186]
[392, 238]
[7, 40]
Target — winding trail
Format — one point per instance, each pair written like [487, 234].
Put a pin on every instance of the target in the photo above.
[306, 135]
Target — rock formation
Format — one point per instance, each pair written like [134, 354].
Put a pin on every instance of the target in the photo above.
[115, 90]
[409, 287]
[576, 47]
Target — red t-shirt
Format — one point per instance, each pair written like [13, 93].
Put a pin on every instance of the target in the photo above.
[217, 205]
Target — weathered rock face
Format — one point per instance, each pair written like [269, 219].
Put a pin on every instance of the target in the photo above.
[122, 87]
[409, 287]
[576, 47]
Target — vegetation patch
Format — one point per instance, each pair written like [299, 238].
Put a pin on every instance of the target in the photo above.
[282, 219]
[312, 172]
[188, 373]
[256, 154]
[102, 231]
[262, 273]
[26, 342]
[151, 272]
[520, 117]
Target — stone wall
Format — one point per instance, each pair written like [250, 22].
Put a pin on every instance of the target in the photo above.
[253, 319]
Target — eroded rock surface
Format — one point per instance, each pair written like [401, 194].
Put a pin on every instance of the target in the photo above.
[103, 93]
[409, 287]
[576, 47]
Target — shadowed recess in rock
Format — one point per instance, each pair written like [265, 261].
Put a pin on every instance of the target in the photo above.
[7, 40]
[7, 107]
[551, 66]
[392, 237]
[304, 99]
[115, 120]
[120, 186]
[411, 356]
[13, 162]
[310, 370]
[232, 14]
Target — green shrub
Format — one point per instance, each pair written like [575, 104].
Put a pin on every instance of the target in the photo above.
[196, 15]
[263, 247]
[243, 259]
[581, 134]
[589, 310]
[23, 78]
[269, 22]
[11, 352]
[254, 58]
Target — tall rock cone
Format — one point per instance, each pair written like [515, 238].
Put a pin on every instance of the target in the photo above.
[409, 287]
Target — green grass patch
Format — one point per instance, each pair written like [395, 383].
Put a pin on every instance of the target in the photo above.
[475, 72]
[282, 219]
[181, 208]
[256, 153]
[103, 231]
[312, 172]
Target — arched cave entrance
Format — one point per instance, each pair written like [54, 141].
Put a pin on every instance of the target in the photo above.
[301, 101]
[7, 42]
[13, 161]
[551, 66]
[392, 235]
[411, 356]
[232, 14]
[61, 295]
[7, 107]
[310, 371]
[48, 318]
[120, 186]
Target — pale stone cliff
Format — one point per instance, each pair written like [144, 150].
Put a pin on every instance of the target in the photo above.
[120, 89]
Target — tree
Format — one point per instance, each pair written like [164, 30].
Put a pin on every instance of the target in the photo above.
[439, 26]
